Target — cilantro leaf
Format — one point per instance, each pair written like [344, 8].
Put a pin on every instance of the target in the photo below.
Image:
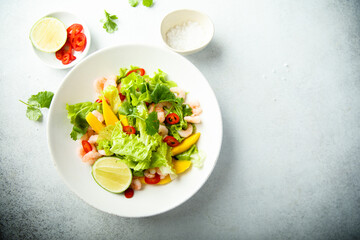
[147, 3]
[133, 3]
[35, 102]
[109, 25]
[42, 99]
[33, 113]
[162, 93]
[152, 124]
[187, 110]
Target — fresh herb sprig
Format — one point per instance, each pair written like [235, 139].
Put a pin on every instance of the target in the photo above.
[35, 102]
[109, 25]
[146, 3]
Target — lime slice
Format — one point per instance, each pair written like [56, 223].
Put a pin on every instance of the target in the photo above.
[111, 174]
[48, 34]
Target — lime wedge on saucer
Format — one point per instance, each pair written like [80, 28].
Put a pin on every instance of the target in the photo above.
[111, 174]
[48, 34]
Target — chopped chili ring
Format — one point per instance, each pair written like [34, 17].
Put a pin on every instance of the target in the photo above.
[66, 58]
[129, 193]
[74, 29]
[86, 146]
[122, 97]
[172, 118]
[171, 141]
[98, 100]
[139, 71]
[129, 130]
[153, 180]
[78, 42]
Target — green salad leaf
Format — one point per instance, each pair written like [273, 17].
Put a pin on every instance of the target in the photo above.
[152, 124]
[111, 93]
[35, 102]
[197, 157]
[109, 25]
[133, 3]
[77, 114]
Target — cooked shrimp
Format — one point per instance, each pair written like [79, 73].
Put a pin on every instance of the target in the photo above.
[81, 151]
[151, 107]
[92, 140]
[196, 109]
[102, 152]
[192, 119]
[91, 157]
[98, 115]
[148, 174]
[99, 84]
[136, 184]
[162, 176]
[88, 134]
[187, 132]
[163, 131]
[159, 108]
[111, 81]
[178, 92]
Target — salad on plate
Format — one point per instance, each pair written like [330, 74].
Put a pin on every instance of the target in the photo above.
[139, 130]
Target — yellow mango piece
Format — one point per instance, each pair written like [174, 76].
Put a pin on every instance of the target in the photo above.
[94, 123]
[165, 180]
[181, 166]
[123, 120]
[142, 180]
[109, 115]
[185, 144]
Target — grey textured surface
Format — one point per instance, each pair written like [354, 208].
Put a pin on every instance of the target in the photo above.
[287, 77]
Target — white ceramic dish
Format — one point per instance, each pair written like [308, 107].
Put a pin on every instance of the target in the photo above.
[68, 19]
[179, 17]
[78, 87]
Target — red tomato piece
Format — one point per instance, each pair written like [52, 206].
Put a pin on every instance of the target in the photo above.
[129, 130]
[172, 118]
[129, 193]
[171, 141]
[140, 71]
[153, 180]
[86, 146]
[78, 42]
[122, 97]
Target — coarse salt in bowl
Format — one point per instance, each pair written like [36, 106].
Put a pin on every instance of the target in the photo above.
[186, 31]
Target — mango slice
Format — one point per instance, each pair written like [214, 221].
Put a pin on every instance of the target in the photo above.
[124, 120]
[181, 165]
[109, 115]
[94, 123]
[185, 144]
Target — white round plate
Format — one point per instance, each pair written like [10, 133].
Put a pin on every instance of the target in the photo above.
[78, 87]
[68, 19]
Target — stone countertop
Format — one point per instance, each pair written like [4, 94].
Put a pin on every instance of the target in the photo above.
[287, 78]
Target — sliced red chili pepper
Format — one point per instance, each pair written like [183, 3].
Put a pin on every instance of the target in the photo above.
[172, 118]
[129, 130]
[129, 193]
[153, 180]
[78, 42]
[66, 59]
[74, 29]
[86, 146]
[171, 141]
[122, 97]
[98, 100]
[147, 104]
[59, 54]
[139, 71]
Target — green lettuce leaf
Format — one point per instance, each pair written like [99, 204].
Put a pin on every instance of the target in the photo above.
[160, 77]
[193, 154]
[111, 93]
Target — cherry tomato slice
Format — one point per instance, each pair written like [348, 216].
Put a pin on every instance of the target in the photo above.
[66, 59]
[122, 97]
[78, 42]
[140, 71]
[153, 180]
[171, 141]
[172, 118]
[129, 193]
[86, 146]
[129, 130]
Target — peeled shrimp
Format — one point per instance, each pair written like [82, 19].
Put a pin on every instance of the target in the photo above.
[162, 176]
[101, 83]
[163, 131]
[81, 151]
[136, 184]
[187, 132]
[91, 157]
[178, 92]
[148, 173]
[98, 115]
[92, 140]
[88, 134]
[194, 119]
[111, 81]
[159, 108]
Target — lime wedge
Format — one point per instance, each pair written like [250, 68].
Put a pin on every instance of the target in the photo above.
[111, 174]
[48, 34]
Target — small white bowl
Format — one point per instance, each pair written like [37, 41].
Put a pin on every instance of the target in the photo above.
[68, 19]
[184, 16]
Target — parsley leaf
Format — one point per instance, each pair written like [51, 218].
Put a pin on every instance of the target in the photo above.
[35, 102]
[133, 3]
[147, 3]
[109, 25]
[162, 93]
[152, 124]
